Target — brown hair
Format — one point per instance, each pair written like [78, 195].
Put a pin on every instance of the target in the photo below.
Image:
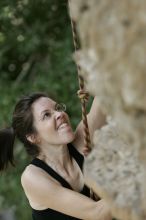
[22, 125]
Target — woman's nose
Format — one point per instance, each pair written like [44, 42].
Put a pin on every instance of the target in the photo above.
[59, 114]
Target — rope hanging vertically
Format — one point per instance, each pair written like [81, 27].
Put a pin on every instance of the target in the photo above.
[81, 86]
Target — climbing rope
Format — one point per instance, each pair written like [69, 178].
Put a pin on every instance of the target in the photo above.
[81, 93]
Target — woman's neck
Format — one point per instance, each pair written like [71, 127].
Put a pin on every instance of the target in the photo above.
[55, 154]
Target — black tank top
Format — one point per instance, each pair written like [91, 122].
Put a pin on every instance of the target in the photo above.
[50, 214]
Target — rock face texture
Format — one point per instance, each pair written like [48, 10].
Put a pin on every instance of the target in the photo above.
[112, 57]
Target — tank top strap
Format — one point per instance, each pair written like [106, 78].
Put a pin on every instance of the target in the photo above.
[76, 155]
[41, 164]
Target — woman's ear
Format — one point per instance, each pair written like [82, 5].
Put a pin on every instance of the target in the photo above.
[32, 138]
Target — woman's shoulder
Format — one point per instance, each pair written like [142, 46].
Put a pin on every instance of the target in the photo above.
[35, 183]
[29, 172]
[33, 174]
[78, 146]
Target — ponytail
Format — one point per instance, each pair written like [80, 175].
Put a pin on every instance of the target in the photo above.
[7, 138]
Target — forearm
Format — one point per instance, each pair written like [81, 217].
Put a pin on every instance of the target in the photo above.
[87, 209]
[96, 117]
[82, 207]
[102, 211]
[96, 114]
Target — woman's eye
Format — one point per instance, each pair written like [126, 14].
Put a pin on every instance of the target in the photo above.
[47, 115]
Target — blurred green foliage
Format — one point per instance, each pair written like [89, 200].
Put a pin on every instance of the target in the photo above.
[35, 55]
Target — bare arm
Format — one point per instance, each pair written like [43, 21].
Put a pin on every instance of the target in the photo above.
[96, 119]
[47, 193]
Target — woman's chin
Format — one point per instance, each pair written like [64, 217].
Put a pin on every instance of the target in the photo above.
[69, 138]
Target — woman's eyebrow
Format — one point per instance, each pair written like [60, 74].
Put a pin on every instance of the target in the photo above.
[49, 109]
[46, 110]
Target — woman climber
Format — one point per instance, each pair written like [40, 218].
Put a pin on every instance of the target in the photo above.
[53, 181]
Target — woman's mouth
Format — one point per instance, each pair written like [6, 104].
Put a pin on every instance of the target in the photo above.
[64, 125]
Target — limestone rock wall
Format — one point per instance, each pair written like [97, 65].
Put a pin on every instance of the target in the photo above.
[112, 57]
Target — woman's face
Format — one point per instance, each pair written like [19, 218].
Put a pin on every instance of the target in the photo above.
[53, 127]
